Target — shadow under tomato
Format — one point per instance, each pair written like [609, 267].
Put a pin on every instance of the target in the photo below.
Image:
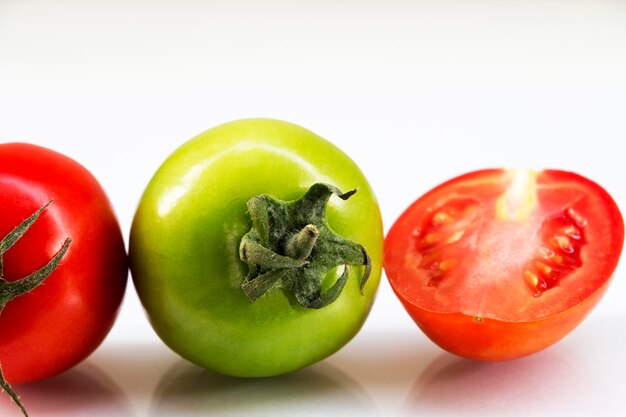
[541, 384]
[137, 367]
[385, 361]
[318, 390]
[81, 391]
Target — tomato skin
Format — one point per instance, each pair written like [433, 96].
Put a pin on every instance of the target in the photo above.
[62, 321]
[495, 340]
[185, 238]
[494, 336]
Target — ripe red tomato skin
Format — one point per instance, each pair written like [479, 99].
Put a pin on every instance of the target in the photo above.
[61, 322]
[493, 340]
[490, 339]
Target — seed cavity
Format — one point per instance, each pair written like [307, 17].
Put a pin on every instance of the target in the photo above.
[563, 240]
[564, 244]
[455, 237]
[441, 218]
[543, 268]
[446, 227]
[531, 278]
[576, 217]
[447, 265]
[431, 239]
[546, 252]
[572, 232]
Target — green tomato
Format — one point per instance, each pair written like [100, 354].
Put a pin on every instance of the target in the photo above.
[243, 317]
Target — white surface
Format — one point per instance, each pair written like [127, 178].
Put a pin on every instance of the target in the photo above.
[380, 373]
[415, 92]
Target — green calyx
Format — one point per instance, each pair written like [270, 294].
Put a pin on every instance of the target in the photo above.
[290, 246]
[12, 289]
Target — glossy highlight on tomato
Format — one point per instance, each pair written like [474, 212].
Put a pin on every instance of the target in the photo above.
[198, 277]
[60, 322]
[498, 264]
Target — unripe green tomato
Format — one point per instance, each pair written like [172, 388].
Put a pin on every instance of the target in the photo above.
[186, 257]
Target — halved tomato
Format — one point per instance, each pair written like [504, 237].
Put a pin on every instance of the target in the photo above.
[499, 264]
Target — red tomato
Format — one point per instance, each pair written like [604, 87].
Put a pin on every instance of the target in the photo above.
[499, 264]
[59, 323]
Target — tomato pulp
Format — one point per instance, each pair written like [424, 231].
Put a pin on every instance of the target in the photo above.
[499, 264]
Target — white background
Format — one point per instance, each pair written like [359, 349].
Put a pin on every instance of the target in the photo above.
[415, 92]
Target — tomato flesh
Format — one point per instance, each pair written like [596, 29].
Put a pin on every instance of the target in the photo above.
[507, 246]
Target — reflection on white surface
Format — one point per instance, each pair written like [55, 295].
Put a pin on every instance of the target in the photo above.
[315, 391]
[83, 391]
[406, 374]
[577, 377]
[452, 386]
[393, 373]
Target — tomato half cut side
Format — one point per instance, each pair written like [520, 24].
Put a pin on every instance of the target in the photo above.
[498, 264]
